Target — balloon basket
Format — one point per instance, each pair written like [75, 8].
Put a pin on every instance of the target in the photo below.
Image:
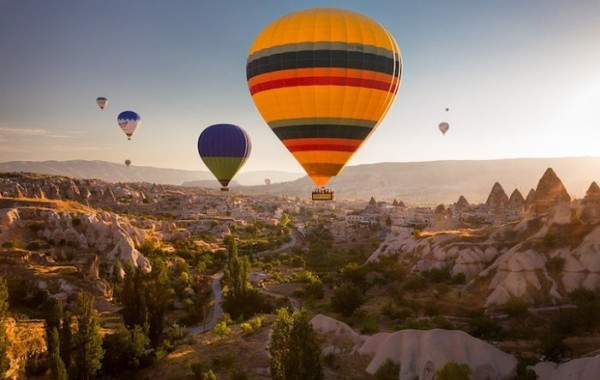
[224, 189]
[322, 194]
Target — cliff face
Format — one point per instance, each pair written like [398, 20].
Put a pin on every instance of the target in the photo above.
[516, 201]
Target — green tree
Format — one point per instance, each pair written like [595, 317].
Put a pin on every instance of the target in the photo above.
[124, 350]
[87, 341]
[453, 371]
[59, 372]
[66, 339]
[221, 329]
[346, 299]
[293, 349]
[4, 342]
[135, 310]
[158, 293]
[388, 370]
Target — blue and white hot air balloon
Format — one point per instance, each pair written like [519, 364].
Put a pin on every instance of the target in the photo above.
[129, 121]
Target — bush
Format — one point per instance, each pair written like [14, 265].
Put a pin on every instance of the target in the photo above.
[346, 299]
[453, 371]
[388, 370]
[516, 307]
[555, 264]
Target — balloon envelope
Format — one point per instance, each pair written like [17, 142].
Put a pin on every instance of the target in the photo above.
[323, 79]
[127, 162]
[444, 127]
[129, 121]
[102, 102]
[224, 148]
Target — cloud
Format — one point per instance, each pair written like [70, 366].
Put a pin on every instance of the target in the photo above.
[22, 132]
[74, 148]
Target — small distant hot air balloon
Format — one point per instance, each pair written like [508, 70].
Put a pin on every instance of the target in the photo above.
[447, 109]
[323, 79]
[102, 102]
[129, 121]
[444, 127]
[224, 148]
[127, 162]
[267, 181]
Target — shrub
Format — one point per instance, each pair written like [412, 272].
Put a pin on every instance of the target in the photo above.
[388, 370]
[346, 299]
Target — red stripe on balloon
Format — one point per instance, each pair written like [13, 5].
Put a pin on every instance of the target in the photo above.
[337, 148]
[322, 81]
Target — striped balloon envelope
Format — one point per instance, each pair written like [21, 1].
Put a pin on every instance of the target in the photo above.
[224, 148]
[323, 79]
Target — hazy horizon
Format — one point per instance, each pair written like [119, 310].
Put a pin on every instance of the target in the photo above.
[520, 80]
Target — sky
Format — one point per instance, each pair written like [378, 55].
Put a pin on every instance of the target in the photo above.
[521, 79]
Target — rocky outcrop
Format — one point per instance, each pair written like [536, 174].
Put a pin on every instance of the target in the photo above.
[549, 192]
[497, 198]
[516, 201]
[529, 200]
[420, 353]
[590, 206]
[461, 204]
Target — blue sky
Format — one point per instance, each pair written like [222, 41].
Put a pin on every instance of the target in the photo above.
[521, 79]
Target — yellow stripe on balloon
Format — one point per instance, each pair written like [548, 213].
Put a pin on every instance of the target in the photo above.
[318, 101]
[317, 156]
[323, 24]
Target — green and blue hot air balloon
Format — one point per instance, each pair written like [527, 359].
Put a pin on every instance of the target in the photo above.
[224, 148]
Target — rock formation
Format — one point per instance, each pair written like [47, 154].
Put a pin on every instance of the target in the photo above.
[462, 203]
[549, 192]
[590, 212]
[497, 198]
[420, 353]
[516, 201]
[529, 200]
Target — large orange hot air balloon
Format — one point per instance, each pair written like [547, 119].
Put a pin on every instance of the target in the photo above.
[323, 79]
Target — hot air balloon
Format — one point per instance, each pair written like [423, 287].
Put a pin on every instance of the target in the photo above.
[224, 149]
[102, 102]
[129, 121]
[323, 79]
[444, 127]
[267, 181]
[127, 162]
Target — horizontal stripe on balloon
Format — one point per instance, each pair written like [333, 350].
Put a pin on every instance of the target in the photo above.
[323, 58]
[322, 170]
[321, 156]
[322, 131]
[342, 145]
[322, 45]
[323, 81]
[322, 72]
[322, 121]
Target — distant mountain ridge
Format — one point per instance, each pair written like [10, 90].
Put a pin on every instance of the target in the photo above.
[116, 172]
[445, 181]
[412, 182]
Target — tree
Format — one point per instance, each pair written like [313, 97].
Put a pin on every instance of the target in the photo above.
[135, 311]
[293, 349]
[157, 294]
[59, 372]
[4, 342]
[87, 341]
[221, 329]
[65, 339]
[388, 370]
[124, 349]
[240, 299]
[453, 371]
[346, 299]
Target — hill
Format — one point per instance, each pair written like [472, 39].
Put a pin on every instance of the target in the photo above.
[412, 182]
[444, 181]
[117, 172]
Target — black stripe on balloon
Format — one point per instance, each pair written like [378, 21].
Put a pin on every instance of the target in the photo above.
[322, 131]
[323, 58]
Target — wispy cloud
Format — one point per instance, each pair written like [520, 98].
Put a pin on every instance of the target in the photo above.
[7, 132]
[74, 148]
[22, 132]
